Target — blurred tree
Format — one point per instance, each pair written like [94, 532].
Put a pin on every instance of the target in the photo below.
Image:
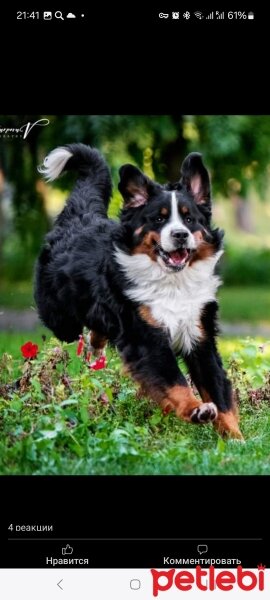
[2, 180]
[20, 159]
[125, 137]
[237, 149]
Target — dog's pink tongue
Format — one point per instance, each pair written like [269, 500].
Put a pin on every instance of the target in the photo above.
[178, 257]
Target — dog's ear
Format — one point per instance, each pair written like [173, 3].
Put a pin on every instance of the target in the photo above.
[134, 186]
[195, 178]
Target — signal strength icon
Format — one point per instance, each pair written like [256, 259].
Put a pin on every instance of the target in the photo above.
[219, 15]
[198, 14]
[211, 15]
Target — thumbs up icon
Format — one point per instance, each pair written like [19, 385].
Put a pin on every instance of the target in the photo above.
[67, 550]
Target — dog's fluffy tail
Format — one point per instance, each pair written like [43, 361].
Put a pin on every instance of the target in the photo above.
[84, 159]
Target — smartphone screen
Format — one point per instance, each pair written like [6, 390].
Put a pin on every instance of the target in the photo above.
[134, 301]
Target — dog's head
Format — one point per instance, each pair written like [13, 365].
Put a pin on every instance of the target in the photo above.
[171, 223]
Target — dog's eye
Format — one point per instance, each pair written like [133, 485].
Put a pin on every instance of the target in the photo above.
[188, 220]
[160, 219]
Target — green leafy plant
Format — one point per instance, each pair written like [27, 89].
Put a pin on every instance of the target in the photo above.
[59, 416]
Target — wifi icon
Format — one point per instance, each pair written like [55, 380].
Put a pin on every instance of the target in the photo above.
[198, 14]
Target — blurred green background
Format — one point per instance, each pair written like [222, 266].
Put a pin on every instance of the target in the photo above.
[236, 149]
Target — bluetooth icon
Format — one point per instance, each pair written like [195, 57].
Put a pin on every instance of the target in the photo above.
[186, 15]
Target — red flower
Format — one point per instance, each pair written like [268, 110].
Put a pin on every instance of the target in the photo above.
[99, 363]
[80, 346]
[29, 350]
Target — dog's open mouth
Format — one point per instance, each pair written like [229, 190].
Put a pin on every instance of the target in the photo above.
[175, 260]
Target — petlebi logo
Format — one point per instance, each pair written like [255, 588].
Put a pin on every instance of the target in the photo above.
[22, 131]
[208, 579]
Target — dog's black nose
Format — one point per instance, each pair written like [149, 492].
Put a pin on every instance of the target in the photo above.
[179, 235]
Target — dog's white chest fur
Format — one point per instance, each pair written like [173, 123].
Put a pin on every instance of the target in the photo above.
[176, 300]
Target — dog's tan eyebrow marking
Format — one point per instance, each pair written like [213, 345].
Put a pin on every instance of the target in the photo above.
[184, 210]
[164, 211]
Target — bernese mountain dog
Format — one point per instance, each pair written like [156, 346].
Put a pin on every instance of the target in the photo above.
[145, 283]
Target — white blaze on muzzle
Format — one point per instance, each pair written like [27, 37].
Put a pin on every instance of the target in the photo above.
[167, 242]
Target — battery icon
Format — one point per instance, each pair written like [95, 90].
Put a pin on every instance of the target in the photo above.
[250, 15]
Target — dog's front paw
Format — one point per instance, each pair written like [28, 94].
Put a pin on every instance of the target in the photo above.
[204, 413]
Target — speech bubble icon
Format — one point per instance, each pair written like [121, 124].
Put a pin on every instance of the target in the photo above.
[202, 548]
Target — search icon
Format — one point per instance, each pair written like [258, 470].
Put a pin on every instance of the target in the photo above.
[58, 15]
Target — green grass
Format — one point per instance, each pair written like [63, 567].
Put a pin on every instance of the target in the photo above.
[60, 422]
[245, 304]
[11, 342]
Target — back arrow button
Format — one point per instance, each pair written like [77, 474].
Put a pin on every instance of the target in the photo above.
[60, 585]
